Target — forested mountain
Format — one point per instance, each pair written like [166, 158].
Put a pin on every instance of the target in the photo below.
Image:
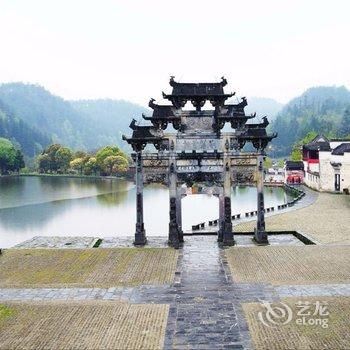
[85, 125]
[320, 109]
[52, 115]
[33, 118]
[112, 117]
[29, 139]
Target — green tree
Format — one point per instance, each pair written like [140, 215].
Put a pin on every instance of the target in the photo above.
[77, 164]
[19, 161]
[115, 164]
[106, 152]
[51, 152]
[54, 158]
[91, 166]
[345, 124]
[80, 154]
[267, 163]
[11, 159]
[44, 163]
[63, 157]
[296, 153]
[280, 163]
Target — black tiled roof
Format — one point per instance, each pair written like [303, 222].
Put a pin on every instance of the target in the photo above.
[294, 165]
[201, 89]
[341, 149]
[161, 111]
[256, 132]
[317, 146]
[142, 132]
[319, 143]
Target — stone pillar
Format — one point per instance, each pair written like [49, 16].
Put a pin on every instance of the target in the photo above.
[260, 235]
[221, 216]
[174, 240]
[179, 215]
[227, 234]
[140, 233]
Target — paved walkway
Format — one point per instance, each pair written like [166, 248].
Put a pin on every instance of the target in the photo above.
[206, 312]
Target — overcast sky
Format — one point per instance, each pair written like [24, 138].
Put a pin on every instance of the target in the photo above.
[128, 49]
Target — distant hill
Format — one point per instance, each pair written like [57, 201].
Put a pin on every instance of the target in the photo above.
[32, 118]
[52, 115]
[85, 125]
[112, 117]
[321, 109]
[263, 106]
[29, 139]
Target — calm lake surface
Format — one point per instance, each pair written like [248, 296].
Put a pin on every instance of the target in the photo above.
[44, 206]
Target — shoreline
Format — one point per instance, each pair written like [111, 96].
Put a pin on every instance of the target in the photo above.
[100, 177]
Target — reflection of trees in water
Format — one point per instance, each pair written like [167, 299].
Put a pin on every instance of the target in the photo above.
[76, 185]
[249, 193]
[11, 186]
[110, 199]
[33, 216]
[241, 190]
[278, 192]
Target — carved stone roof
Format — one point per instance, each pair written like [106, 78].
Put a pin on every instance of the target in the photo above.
[143, 132]
[257, 133]
[197, 93]
[264, 124]
[234, 109]
[161, 111]
[201, 89]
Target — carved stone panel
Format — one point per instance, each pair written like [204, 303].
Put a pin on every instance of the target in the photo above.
[198, 123]
[247, 161]
[197, 144]
[244, 175]
[156, 163]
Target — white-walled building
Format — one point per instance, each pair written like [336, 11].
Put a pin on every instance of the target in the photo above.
[327, 164]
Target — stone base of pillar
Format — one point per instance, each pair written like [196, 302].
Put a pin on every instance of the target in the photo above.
[220, 235]
[140, 236]
[260, 237]
[181, 236]
[227, 235]
[174, 239]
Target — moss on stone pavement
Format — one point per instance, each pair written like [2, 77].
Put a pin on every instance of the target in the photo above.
[309, 264]
[83, 325]
[87, 267]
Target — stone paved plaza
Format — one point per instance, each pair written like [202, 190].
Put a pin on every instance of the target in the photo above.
[82, 325]
[331, 332]
[210, 298]
[327, 220]
[62, 268]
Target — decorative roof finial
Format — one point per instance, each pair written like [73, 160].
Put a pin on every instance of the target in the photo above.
[151, 103]
[223, 81]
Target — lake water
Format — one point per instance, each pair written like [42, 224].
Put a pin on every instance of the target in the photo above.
[43, 206]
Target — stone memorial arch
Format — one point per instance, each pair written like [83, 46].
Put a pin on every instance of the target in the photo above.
[199, 152]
